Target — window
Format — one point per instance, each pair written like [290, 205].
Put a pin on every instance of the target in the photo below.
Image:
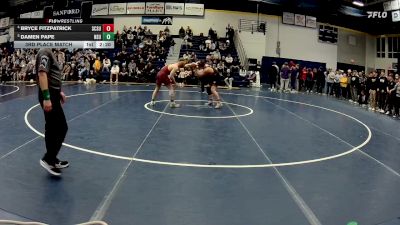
[393, 47]
[381, 47]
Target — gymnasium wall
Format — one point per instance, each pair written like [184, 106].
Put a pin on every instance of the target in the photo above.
[372, 61]
[370, 52]
[217, 19]
[351, 46]
[295, 42]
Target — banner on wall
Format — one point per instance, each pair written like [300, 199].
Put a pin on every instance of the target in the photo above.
[155, 7]
[117, 8]
[37, 14]
[311, 22]
[300, 20]
[4, 22]
[174, 8]
[194, 9]
[156, 20]
[288, 18]
[72, 11]
[100, 10]
[391, 5]
[25, 15]
[136, 8]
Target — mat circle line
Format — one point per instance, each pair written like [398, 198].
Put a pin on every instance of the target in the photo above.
[147, 106]
[223, 166]
[9, 93]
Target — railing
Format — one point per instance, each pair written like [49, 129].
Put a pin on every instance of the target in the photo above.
[240, 49]
[252, 26]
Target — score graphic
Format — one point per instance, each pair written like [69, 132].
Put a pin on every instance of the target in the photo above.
[64, 33]
[108, 32]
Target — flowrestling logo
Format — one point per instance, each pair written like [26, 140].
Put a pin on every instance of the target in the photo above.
[376, 14]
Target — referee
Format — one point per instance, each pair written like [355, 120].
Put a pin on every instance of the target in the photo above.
[51, 97]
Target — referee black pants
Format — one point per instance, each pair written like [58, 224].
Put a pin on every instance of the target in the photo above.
[56, 127]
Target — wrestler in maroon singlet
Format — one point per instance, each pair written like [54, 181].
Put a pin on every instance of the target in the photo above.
[166, 76]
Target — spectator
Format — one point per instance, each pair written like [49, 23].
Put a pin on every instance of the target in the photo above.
[229, 60]
[213, 46]
[221, 67]
[211, 33]
[382, 92]
[372, 86]
[216, 54]
[186, 56]
[97, 66]
[354, 86]
[61, 58]
[243, 72]
[123, 74]
[285, 77]
[66, 71]
[114, 72]
[228, 79]
[294, 73]
[272, 76]
[336, 84]
[396, 94]
[330, 78]
[131, 68]
[208, 43]
[391, 95]
[189, 31]
[106, 64]
[222, 47]
[343, 85]
[235, 66]
[193, 57]
[320, 80]
[166, 30]
[182, 32]
[230, 32]
[309, 80]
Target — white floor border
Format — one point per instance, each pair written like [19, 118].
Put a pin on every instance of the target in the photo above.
[355, 148]
[9, 93]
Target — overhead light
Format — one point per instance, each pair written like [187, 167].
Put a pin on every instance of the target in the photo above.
[358, 3]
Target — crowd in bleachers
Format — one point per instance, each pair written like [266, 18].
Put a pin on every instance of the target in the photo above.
[138, 55]
[219, 53]
[375, 91]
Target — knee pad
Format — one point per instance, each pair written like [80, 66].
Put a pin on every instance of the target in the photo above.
[209, 90]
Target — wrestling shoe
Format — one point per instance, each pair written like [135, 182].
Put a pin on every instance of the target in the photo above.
[62, 164]
[209, 103]
[51, 169]
[174, 105]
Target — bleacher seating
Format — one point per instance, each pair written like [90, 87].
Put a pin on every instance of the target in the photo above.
[198, 40]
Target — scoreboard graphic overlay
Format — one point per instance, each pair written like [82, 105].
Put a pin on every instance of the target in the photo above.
[64, 33]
